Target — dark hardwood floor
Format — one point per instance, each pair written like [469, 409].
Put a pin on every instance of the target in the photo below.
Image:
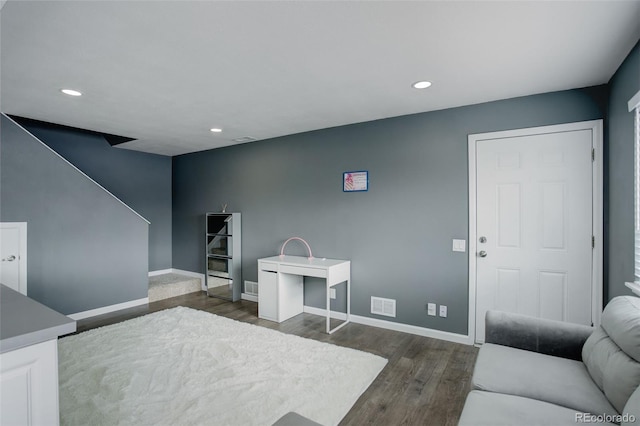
[424, 383]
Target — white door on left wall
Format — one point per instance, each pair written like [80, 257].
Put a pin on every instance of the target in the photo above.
[13, 255]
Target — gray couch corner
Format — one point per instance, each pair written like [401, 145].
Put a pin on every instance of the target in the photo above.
[539, 372]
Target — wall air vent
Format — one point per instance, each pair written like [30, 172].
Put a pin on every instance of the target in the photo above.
[251, 287]
[381, 306]
[244, 139]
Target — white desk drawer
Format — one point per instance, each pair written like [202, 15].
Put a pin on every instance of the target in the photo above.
[266, 266]
[303, 270]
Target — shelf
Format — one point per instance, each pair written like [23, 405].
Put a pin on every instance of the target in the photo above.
[223, 255]
[219, 256]
[219, 275]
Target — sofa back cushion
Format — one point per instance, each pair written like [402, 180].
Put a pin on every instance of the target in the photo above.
[612, 352]
[621, 321]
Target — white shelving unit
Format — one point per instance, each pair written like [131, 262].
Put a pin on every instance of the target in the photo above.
[224, 255]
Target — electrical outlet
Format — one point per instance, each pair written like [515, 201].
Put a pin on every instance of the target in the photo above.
[443, 311]
[332, 293]
[431, 309]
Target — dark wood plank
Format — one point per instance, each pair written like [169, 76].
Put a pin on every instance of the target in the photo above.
[424, 383]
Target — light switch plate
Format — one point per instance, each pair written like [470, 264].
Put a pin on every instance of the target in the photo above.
[431, 309]
[459, 245]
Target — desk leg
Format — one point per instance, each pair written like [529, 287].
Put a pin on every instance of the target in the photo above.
[349, 300]
[328, 308]
[348, 319]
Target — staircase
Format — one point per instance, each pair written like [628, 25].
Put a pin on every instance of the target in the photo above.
[170, 285]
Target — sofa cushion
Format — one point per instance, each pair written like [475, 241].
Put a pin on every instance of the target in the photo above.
[611, 367]
[631, 411]
[595, 352]
[621, 321]
[546, 378]
[496, 409]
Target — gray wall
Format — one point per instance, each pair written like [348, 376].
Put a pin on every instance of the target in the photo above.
[141, 180]
[619, 153]
[398, 234]
[85, 249]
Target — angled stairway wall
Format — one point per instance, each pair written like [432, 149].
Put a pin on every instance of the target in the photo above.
[86, 249]
[141, 180]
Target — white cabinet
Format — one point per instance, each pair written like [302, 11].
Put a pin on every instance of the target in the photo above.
[29, 385]
[268, 295]
[280, 296]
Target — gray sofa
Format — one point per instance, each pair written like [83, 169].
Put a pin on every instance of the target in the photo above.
[539, 372]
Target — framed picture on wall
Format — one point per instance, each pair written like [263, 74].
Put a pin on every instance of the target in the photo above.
[355, 181]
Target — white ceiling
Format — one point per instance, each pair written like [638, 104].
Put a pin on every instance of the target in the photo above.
[165, 72]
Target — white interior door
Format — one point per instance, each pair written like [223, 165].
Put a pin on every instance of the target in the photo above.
[13, 255]
[534, 226]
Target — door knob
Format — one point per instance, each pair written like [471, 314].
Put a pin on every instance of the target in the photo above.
[9, 259]
[482, 253]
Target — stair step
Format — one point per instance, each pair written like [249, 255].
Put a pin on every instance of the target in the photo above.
[170, 285]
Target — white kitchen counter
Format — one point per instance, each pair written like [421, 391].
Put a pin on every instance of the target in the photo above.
[25, 322]
[29, 334]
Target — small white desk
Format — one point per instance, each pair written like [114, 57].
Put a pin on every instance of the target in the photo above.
[281, 288]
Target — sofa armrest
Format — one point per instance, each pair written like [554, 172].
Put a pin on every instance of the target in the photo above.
[544, 336]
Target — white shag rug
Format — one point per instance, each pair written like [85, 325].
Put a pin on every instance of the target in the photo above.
[187, 367]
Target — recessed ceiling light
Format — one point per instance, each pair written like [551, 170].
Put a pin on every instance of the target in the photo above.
[421, 84]
[71, 92]
[245, 139]
[216, 130]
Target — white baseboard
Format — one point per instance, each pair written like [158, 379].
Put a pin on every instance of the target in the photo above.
[249, 297]
[160, 272]
[181, 272]
[188, 273]
[107, 309]
[373, 322]
[389, 325]
[323, 312]
[132, 303]
[412, 329]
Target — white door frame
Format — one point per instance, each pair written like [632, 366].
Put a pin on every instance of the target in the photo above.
[22, 255]
[596, 272]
